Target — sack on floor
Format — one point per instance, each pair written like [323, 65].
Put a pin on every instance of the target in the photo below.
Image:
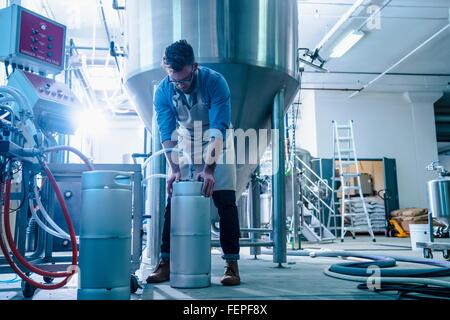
[416, 219]
[409, 212]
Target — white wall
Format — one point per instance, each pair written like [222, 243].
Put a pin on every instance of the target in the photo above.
[306, 133]
[118, 137]
[124, 135]
[425, 137]
[393, 125]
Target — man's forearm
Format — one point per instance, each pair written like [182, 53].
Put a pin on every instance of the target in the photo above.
[209, 168]
[171, 156]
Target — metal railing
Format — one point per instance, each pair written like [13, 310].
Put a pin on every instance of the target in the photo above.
[320, 182]
[315, 185]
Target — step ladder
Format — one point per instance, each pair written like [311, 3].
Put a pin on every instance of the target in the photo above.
[346, 161]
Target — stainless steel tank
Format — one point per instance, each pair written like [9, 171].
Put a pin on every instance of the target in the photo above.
[105, 236]
[252, 43]
[243, 209]
[190, 236]
[439, 197]
[266, 209]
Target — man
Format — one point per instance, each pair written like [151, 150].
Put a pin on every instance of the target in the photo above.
[192, 99]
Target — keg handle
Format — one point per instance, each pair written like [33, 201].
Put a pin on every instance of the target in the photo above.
[123, 179]
[191, 172]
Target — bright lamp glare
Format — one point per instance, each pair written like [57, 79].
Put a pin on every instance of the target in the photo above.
[345, 44]
[91, 121]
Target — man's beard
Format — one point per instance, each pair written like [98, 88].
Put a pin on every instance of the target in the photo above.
[192, 86]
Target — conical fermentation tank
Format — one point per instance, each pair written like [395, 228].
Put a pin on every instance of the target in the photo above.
[251, 42]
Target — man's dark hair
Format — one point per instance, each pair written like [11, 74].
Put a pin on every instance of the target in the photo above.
[178, 55]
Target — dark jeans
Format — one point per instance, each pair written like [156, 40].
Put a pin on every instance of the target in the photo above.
[225, 202]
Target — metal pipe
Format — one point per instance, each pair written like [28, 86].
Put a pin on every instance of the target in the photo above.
[105, 24]
[157, 197]
[330, 89]
[21, 218]
[295, 208]
[216, 244]
[278, 179]
[255, 198]
[108, 35]
[409, 74]
[402, 59]
[93, 48]
[261, 230]
[138, 216]
[49, 12]
[294, 181]
[71, 51]
[116, 5]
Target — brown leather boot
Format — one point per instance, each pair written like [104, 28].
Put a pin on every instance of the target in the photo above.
[231, 275]
[161, 273]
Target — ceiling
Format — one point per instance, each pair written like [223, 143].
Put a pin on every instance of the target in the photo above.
[91, 25]
[403, 26]
[83, 18]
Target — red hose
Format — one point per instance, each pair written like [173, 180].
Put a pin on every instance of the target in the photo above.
[61, 201]
[9, 259]
[17, 253]
[10, 239]
[24, 276]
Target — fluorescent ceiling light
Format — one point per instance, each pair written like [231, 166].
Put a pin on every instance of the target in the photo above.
[345, 44]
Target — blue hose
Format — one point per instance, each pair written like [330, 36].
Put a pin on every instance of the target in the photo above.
[360, 268]
[14, 280]
[393, 279]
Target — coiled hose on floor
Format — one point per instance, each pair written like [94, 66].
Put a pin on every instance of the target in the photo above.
[403, 280]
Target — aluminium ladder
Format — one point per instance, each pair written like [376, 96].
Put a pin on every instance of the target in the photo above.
[344, 158]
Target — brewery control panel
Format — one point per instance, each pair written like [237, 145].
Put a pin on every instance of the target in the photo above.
[30, 41]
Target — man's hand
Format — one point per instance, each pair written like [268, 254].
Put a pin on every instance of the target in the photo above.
[174, 176]
[207, 176]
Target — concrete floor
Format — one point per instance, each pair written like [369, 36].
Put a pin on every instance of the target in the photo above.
[301, 278]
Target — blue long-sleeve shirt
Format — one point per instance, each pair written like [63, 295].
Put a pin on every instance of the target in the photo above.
[215, 93]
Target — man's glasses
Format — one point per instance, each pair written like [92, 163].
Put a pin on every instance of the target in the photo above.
[183, 81]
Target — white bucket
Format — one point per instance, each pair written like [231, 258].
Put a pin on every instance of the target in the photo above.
[419, 233]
